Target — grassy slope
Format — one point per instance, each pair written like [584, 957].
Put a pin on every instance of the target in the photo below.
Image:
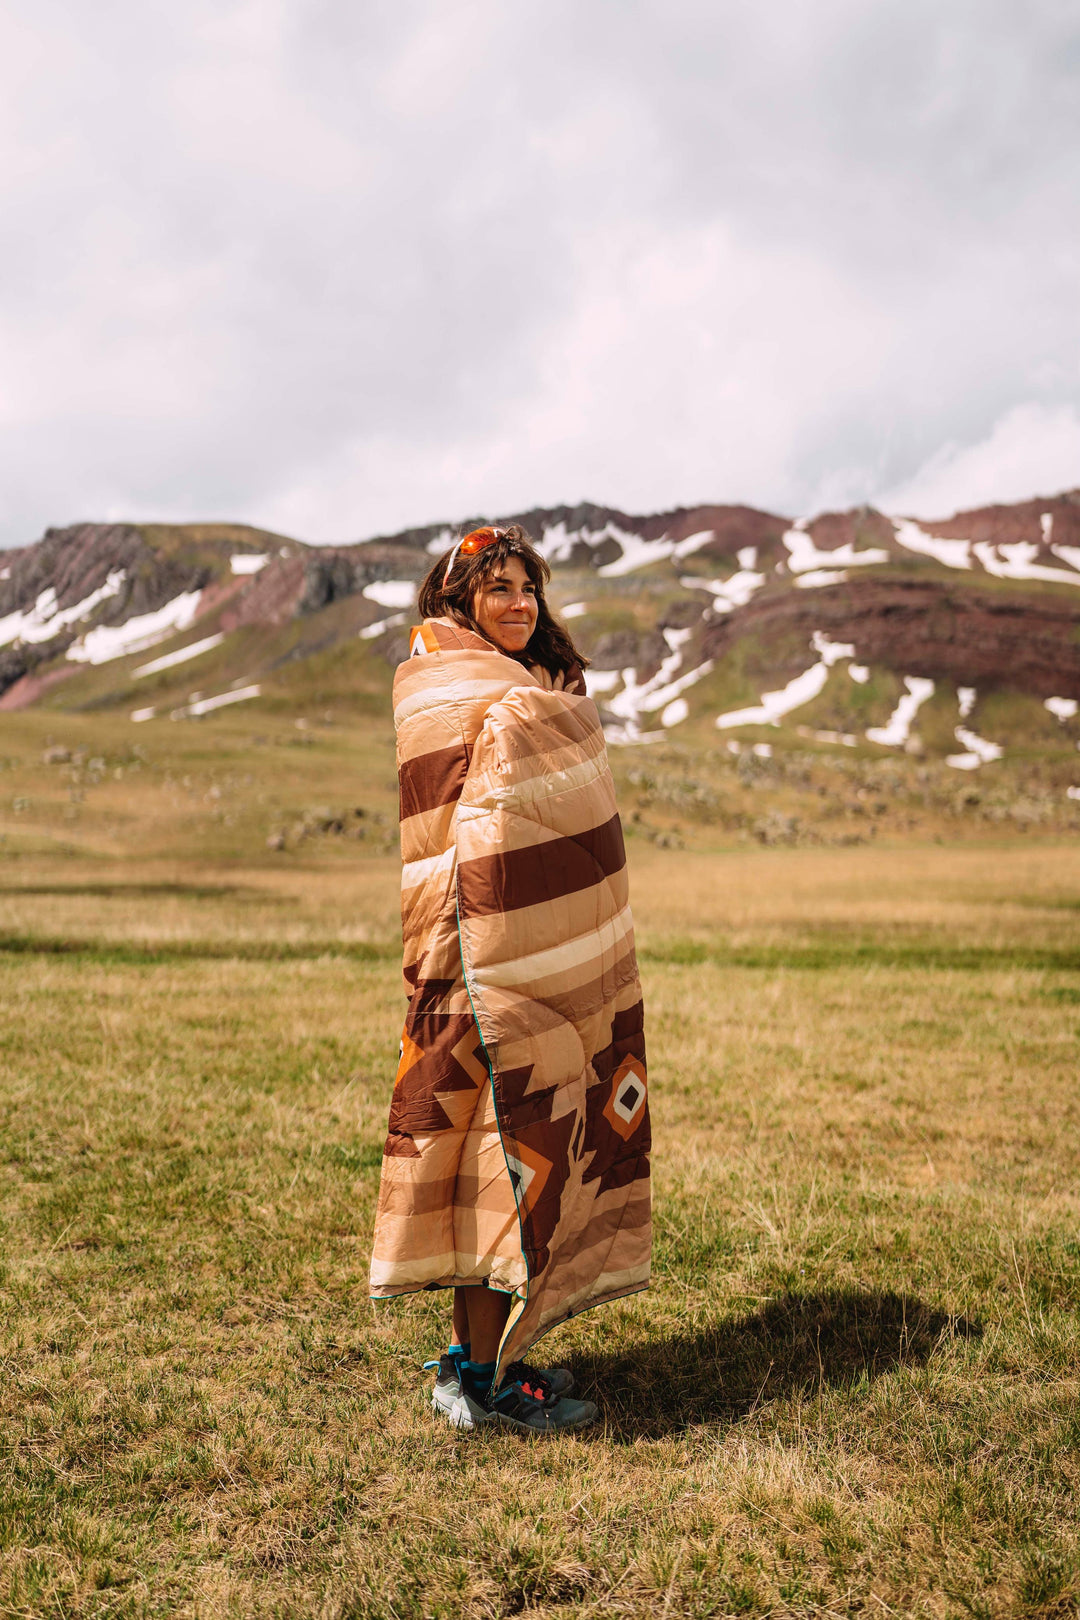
[852, 1388]
[218, 788]
[314, 664]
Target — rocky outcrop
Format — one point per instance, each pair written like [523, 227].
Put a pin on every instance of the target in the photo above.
[862, 528]
[77, 561]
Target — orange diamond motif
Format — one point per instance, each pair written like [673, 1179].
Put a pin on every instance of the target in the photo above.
[410, 1055]
[529, 1171]
[626, 1103]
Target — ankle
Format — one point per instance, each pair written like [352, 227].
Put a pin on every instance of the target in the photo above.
[476, 1378]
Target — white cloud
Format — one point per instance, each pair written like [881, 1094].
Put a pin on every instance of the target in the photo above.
[1031, 450]
[343, 268]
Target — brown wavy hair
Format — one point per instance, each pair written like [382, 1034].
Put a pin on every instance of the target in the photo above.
[550, 645]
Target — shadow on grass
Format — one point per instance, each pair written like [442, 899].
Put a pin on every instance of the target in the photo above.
[798, 1343]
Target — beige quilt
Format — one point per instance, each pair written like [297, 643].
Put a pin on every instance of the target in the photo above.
[518, 1150]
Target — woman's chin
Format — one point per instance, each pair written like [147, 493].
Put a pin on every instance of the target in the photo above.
[514, 640]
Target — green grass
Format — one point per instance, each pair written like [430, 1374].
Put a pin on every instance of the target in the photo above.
[851, 1390]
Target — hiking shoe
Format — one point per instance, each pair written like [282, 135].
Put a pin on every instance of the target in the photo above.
[447, 1380]
[526, 1401]
[449, 1398]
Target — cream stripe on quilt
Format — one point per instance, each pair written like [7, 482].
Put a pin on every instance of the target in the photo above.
[559, 958]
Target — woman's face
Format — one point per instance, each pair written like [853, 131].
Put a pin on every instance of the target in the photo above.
[505, 606]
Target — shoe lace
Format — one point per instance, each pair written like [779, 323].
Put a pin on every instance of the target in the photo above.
[531, 1381]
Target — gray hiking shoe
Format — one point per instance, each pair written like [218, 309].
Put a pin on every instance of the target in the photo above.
[561, 1379]
[450, 1399]
[526, 1400]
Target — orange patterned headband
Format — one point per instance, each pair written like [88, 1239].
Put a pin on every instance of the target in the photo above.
[472, 543]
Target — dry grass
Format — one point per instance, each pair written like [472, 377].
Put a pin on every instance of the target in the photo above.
[852, 1389]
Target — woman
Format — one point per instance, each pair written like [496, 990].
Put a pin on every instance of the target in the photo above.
[516, 1165]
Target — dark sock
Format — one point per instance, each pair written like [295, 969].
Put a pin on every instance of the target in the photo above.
[476, 1377]
[459, 1355]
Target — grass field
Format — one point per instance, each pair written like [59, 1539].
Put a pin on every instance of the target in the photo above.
[852, 1389]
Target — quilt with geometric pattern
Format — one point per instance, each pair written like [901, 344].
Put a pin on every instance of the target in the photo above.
[517, 1155]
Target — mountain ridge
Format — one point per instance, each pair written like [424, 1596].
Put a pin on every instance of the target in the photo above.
[703, 618]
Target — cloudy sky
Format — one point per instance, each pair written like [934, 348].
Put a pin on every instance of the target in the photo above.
[340, 266]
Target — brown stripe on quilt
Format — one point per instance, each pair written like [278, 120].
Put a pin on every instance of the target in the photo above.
[615, 1215]
[517, 931]
[414, 1195]
[432, 779]
[528, 877]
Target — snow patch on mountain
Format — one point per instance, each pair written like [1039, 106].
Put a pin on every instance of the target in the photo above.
[803, 554]
[1069, 554]
[106, 642]
[391, 593]
[774, 705]
[728, 594]
[821, 576]
[557, 544]
[441, 542]
[661, 691]
[977, 751]
[371, 631]
[639, 698]
[598, 681]
[208, 705]
[1017, 561]
[951, 553]
[895, 734]
[199, 705]
[831, 651]
[636, 551]
[663, 695]
[248, 562]
[45, 620]
[182, 656]
[735, 592]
